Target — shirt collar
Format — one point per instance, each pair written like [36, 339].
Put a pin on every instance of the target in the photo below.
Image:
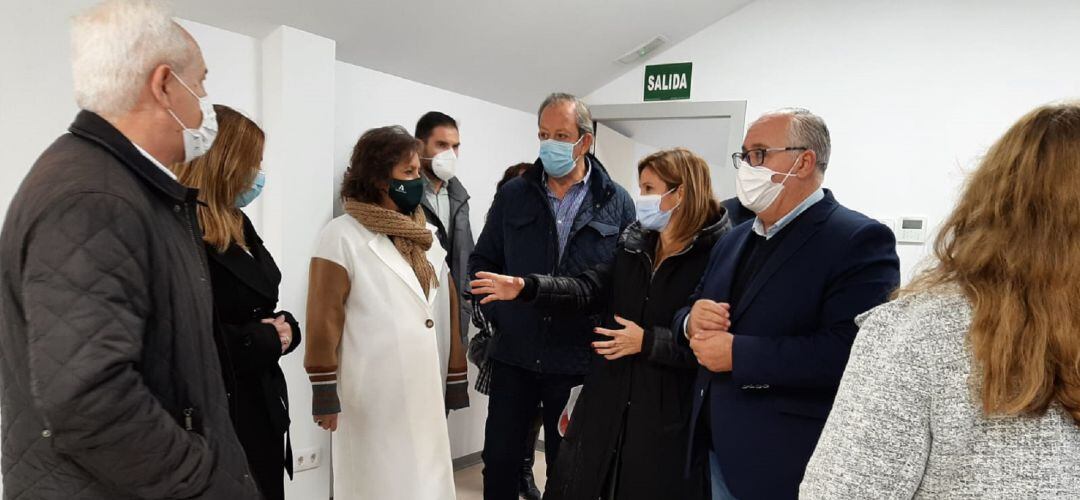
[759, 228]
[583, 182]
[430, 186]
[155, 161]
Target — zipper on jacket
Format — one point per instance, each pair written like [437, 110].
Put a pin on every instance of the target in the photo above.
[189, 423]
[554, 227]
[189, 213]
[654, 271]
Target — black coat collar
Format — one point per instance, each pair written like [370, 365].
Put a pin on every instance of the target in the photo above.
[636, 239]
[256, 270]
[92, 127]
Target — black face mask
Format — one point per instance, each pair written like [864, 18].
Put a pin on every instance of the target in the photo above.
[407, 194]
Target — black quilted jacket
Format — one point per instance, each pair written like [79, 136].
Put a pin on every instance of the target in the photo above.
[519, 238]
[111, 385]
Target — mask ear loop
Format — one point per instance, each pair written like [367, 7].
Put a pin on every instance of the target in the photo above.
[582, 138]
[789, 175]
[677, 205]
[192, 92]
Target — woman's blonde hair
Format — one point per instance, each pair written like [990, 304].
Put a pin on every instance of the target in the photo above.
[680, 167]
[1013, 246]
[223, 173]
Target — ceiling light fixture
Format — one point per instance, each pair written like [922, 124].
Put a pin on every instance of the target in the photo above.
[643, 50]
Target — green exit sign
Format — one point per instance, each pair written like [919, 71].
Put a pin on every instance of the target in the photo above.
[667, 82]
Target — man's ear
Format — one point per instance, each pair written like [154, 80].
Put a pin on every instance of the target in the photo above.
[587, 143]
[158, 81]
[807, 164]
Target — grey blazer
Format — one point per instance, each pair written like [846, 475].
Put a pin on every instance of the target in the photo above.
[907, 424]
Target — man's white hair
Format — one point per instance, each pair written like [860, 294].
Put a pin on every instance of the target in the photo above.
[116, 44]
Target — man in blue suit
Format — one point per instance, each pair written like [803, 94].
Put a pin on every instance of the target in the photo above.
[772, 321]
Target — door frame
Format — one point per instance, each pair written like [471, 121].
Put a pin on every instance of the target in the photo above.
[732, 110]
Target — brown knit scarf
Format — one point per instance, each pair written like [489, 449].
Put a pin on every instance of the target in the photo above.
[410, 235]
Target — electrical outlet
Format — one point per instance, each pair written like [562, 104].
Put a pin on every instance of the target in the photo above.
[306, 459]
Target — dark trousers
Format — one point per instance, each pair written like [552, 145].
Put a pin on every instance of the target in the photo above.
[264, 447]
[530, 441]
[515, 393]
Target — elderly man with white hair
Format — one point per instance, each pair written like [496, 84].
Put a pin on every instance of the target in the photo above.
[112, 386]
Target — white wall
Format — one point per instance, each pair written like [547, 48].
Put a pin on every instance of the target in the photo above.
[37, 104]
[620, 155]
[493, 137]
[913, 92]
[306, 143]
[36, 100]
[234, 78]
[298, 103]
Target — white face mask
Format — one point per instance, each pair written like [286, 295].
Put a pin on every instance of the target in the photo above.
[444, 165]
[755, 186]
[198, 141]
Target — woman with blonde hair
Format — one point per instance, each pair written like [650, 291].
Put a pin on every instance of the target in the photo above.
[252, 336]
[968, 385]
[636, 400]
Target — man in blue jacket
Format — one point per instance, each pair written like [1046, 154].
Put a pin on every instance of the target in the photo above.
[772, 321]
[561, 218]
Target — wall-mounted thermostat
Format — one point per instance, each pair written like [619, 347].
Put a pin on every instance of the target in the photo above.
[911, 230]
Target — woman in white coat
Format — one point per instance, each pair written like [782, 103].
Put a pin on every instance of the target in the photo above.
[373, 354]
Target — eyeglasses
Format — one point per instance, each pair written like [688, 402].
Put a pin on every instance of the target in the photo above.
[756, 157]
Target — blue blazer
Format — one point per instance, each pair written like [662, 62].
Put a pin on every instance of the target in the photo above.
[793, 326]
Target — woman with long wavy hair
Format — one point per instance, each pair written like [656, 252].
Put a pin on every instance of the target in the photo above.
[252, 336]
[968, 385]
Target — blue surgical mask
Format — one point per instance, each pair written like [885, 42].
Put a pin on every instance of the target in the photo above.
[649, 213]
[558, 157]
[244, 199]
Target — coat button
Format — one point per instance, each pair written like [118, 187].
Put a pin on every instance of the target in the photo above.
[46, 433]
[430, 324]
[176, 208]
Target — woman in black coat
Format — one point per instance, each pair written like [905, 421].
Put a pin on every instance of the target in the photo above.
[252, 335]
[628, 433]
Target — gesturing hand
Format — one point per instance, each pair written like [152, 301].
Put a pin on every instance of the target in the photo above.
[496, 287]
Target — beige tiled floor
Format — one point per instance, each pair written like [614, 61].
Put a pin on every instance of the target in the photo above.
[470, 481]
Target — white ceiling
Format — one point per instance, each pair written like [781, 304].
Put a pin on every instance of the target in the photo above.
[510, 52]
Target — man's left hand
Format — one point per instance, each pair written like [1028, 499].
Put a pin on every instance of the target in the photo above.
[713, 350]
